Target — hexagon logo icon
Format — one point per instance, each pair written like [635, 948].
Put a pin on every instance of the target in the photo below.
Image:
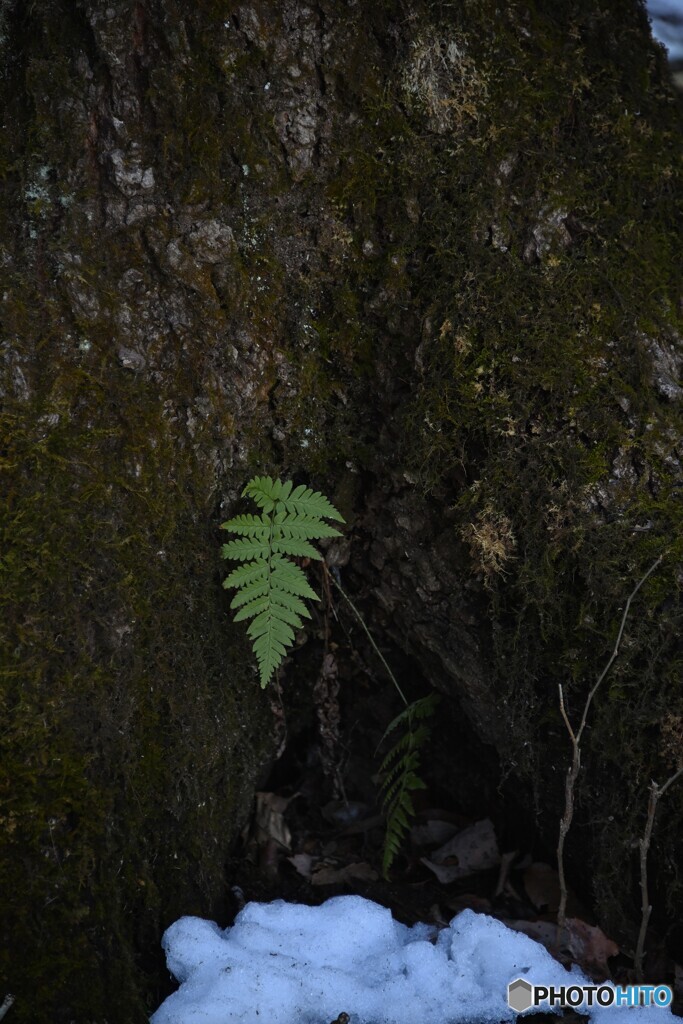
[520, 995]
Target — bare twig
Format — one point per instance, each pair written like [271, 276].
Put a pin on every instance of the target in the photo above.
[575, 766]
[566, 820]
[656, 793]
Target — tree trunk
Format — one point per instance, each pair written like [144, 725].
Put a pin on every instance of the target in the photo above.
[425, 256]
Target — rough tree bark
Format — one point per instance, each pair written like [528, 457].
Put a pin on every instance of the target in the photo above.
[424, 255]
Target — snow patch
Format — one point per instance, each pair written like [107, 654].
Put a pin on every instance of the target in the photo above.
[291, 964]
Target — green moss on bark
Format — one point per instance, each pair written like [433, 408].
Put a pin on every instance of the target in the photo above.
[132, 723]
[129, 707]
[525, 166]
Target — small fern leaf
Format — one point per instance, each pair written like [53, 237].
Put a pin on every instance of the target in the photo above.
[306, 502]
[270, 588]
[392, 845]
[391, 790]
[245, 547]
[269, 653]
[265, 491]
[290, 601]
[403, 809]
[400, 771]
[303, 527]
[424, 707]
[392, 763]
[414, 782]
[289, 577]
[394, 724]
[282, 489]
[287, 615]
[244, 575]
[400, 754]
[411, 741]
[249, 526]
[298, 548]
[266, 622]
[403, 745]
[252, 608]
[250, 593]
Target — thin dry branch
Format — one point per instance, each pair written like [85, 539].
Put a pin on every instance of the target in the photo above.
[575, 766]
[656, 793]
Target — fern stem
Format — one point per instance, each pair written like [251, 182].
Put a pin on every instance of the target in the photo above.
[367, 633]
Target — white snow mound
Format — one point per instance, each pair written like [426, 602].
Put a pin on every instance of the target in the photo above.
[282, 963]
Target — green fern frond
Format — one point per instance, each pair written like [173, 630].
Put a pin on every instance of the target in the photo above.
[269, 586]
[305, 502]
[400, 771]
[245, 548]
[298, 548]
[293, 603]
[264, 490]
[251, 526]
[289, 578]
[396, 779]
[244, 575]
[407, 742]
[249, 593]
[422, 708]
[252, 608]
[298, 527]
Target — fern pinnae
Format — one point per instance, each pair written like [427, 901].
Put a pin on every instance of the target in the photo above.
[399, 811]
[245, 548]
[419, 709]
[407, 742]
[270, 587]
[298, 548]
[400, 773]
[249, 593]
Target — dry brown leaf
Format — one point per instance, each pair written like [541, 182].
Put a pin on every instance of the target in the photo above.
[274, 801]
[445, 873]
[269, 858]
[506, 862]
[472, 849]
[589, 946]
[303, 863]
[583, 944]
[433, 831]
[269, 820]
[542, 886]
